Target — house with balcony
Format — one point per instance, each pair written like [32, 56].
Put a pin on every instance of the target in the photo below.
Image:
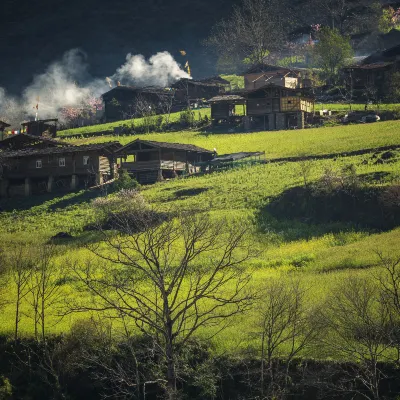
[33, 165]
[149, 161]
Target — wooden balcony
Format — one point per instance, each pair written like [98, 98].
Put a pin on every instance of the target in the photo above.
[153, 165]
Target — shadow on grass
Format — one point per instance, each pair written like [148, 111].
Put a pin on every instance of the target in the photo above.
[52, 201]
[78, 241]
[304, 213]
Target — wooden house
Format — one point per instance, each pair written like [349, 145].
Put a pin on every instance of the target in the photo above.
[148, 161]
[32, 165]
[124, 102]
[44, 127]
[273, 107]
[371, 79]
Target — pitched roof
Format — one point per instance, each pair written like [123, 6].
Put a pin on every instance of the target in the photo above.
[165, 145]
[24, 139]
[204, 83]
[260, 67]
[376, 65]
[228, 97]
[105, 148]
[4, 124]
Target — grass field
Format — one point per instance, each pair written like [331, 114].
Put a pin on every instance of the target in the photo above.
[318, 255]
[280, 143]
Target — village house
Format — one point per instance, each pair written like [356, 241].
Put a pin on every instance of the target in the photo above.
[32, 165]
[273, 107]
[124, 102]
[274, 98]
[371, 78]
[148, 161]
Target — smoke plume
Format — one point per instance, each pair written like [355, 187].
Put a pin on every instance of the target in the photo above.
[67, 83]
[160, 70]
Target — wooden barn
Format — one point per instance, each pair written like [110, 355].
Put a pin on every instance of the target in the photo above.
[33, 165]
[273, 107]
[148, 161]
[124, 102]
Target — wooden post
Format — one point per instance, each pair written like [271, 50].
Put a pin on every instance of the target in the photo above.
[28, 187]
[50, 184]
[4, 188]
[74, 182]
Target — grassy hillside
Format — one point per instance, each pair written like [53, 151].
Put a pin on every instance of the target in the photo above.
[318, 254]
[280, 143]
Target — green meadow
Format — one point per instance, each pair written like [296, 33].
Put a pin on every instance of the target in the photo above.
[319, 255]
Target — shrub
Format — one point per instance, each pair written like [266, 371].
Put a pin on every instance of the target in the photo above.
[125, 181]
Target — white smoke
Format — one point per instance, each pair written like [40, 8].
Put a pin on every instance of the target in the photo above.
[61, 86]
[160, 70]
[67, 83]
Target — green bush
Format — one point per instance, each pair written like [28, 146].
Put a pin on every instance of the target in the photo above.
[125, 181]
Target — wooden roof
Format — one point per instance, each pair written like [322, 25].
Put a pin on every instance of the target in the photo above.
[24, 140]
[229, 98]
[204, 83]
[260, 67]
[134, 90]
[135, 145]
[103, 148]
[40, 121]
[4, 125]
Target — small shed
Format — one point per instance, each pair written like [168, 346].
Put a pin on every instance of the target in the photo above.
[223, 107]
[41, 127]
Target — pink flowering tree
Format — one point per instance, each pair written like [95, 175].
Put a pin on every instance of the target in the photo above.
[85, 112]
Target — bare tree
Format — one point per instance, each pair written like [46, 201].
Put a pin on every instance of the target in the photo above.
[252, 31]
[44, 287]
[146, 110]
[358, 322]
[285, 329]
[4, 278]
[20, 265]
[305, 168]
[166, 102]
[389, 283]
[171, 278]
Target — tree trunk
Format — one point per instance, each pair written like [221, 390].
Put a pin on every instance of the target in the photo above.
[17, 313]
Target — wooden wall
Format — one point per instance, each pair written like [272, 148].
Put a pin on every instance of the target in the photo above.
[26, 166]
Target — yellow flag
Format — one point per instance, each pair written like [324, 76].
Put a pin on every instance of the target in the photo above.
[183, 52]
